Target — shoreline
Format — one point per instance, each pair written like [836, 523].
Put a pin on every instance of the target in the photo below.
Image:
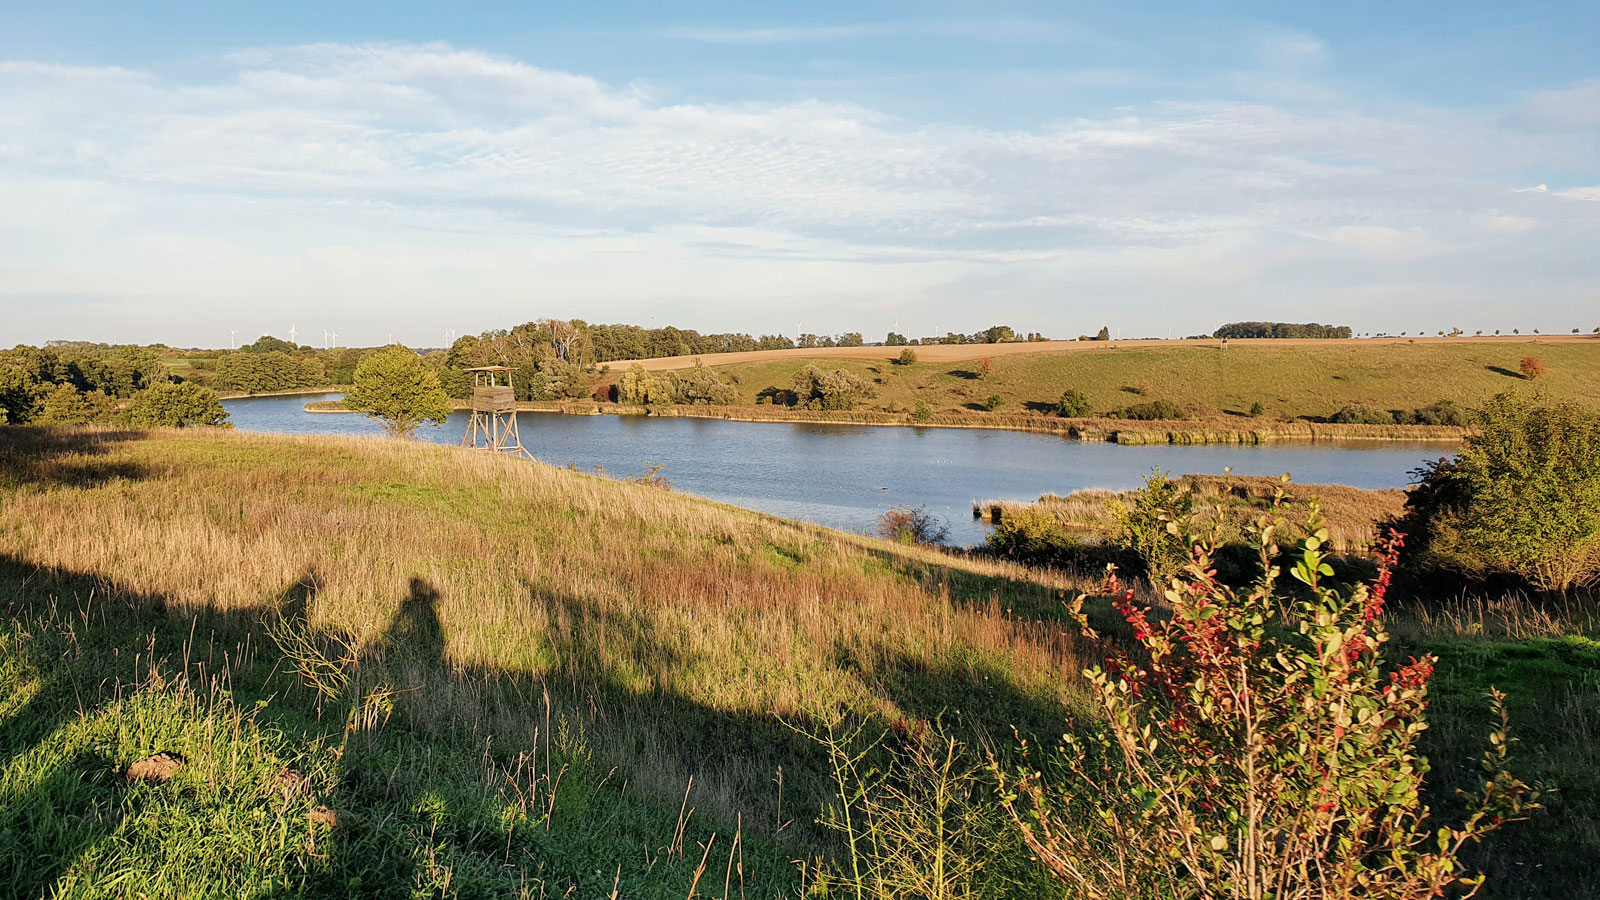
[1112, 431]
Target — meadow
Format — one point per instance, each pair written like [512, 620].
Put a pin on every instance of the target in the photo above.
[393, 669]
[1289, 379]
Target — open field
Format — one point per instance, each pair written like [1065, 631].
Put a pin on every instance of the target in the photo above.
[960, 352]
[400, 669]
[1290, 379]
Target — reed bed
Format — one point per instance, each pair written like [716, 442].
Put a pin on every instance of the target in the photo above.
[1354, 516]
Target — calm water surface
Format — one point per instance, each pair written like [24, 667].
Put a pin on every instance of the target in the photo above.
[844, 476]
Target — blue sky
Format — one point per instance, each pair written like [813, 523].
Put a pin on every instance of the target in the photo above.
[173, 170]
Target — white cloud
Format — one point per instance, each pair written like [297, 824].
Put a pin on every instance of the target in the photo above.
[398, 178]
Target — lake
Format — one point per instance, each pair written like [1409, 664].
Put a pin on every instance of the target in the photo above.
[845, 476]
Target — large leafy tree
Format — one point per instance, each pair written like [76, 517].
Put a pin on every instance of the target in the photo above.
[394, 386]
[171, 405]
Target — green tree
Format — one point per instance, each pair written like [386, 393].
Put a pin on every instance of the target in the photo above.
[394, 386]
[175, 405]
[907, 357]
[702, 385]
[1104, 334]
[838, 389]
[1074, 404]
[1521, 497]
[66, 405]
[1155, 525]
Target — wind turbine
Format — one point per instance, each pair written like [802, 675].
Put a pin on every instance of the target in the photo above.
[292, 335]
[231, 333]
[797, 330]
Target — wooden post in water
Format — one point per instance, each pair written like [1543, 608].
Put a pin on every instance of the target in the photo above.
[493, 425]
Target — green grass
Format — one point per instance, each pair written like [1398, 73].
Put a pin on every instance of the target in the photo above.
[508, 677]
[1289, 382]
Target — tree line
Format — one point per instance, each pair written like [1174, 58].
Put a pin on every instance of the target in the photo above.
[1281, 330]
[77, 383]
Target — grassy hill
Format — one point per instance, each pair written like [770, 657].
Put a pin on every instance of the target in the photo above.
[392, 669]
[1289, 379]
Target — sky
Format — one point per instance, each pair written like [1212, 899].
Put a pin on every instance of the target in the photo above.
[195, 173]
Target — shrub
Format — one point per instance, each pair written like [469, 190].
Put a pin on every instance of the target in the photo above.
[1257, 410]
[1253, 744]
[1153, 410]
[1522, 497]
[394, 386]
[1073, 404]
[702, 385]
[985, 366]
[992, 402]
[175, 406]
[1030, 535]
[641, 388]
[909, 525]
[1444, 412]
[838, 389]
[922, 412]
[907, 357]
[1155, 526]
[1532, 367]
[1361, 414]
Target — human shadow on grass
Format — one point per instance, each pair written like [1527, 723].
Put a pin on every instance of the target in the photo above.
[383, 743]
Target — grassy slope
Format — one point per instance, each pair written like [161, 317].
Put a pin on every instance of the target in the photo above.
[442, 595]
[523, 667]
[1310, 379]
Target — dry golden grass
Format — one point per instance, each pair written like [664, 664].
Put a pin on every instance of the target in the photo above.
[654, 608]
[958, 352]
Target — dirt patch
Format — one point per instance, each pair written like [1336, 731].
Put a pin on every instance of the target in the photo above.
[332, 818]
[156, 769]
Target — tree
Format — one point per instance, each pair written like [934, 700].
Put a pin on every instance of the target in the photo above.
[895, 340]
[838, 389]
[66, 405]
[394, 386]
[702, 385]
[1254, 744]
[175, 406]
[1074, 404]
[1522, 497]
[259, 372]
[907, 357]
[999, 334]
[1104, 334]
[1155, 525]
[269, 344]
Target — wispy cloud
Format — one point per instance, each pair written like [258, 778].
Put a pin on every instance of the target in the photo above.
[1009, 30]
[393, 176]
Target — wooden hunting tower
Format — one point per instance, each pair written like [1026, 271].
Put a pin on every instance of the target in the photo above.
[493, 425]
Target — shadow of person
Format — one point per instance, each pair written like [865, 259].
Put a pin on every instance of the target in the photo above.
[415, 633]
